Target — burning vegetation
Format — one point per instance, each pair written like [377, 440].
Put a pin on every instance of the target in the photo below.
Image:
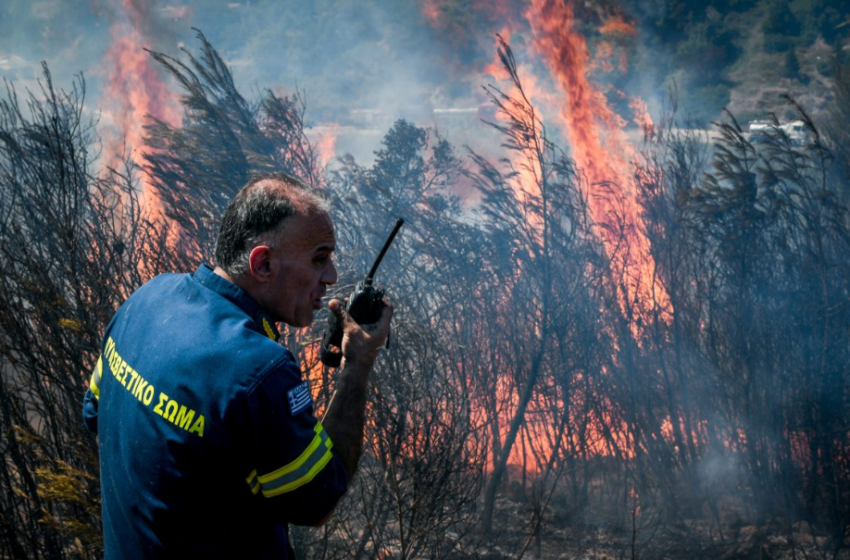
[617, 352]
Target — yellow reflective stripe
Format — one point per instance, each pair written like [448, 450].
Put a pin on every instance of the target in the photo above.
[252, 481]
[299, 472]
[268, 328]
[96, 376]
[304, 479]
[297, 462]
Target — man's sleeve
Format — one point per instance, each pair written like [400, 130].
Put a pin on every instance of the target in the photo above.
[290, 464]
[92, 397]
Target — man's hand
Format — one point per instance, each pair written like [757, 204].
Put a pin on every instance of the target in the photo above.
[346, 413]
[362, 343]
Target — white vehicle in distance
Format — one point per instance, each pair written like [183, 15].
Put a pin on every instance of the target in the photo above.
[796, 131]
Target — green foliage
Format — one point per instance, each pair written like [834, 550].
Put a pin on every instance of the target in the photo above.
[821, 18]
[825, 65]
[430, 452]
[400, 161]
[779, 19]
[71, 487]
[709, 48]
[792, 65]
[725, 42]
[838, 128]
[778, 43]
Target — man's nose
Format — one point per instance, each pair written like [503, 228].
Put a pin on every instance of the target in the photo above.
[329, 277]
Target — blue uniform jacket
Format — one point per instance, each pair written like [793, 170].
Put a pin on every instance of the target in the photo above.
[208, 443]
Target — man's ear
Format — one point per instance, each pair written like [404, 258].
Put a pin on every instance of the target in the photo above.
[259, 263]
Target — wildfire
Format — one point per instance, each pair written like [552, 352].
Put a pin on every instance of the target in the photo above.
[135, 90]
[524, 162]
[603, 152]
[594, 131]
[599, 439]
[599, 145]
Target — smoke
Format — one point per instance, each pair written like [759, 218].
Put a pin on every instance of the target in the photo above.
[11, 62]
[594, 70]
[361, 66]
[364, 65]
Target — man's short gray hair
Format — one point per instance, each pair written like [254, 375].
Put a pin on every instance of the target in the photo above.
[258, 212]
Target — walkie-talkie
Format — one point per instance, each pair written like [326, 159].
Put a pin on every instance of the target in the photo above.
[365, 305]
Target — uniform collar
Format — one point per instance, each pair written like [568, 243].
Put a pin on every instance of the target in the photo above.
[209, 279]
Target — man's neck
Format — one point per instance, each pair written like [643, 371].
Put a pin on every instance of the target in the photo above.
[221, 272]
[250, 287]
[239, 281]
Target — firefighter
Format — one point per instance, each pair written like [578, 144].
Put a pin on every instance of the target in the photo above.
[208, 443]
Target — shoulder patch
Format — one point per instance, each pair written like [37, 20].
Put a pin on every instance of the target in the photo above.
[267, 324]
[268, 328]
[299, 398]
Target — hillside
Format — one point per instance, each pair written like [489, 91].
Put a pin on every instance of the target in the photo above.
[744, 55]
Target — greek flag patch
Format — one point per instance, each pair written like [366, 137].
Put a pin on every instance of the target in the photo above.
[299, 399]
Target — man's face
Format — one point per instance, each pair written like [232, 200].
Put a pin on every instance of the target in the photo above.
[301, 268]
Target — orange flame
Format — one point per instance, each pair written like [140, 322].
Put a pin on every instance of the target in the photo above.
[642, 118]
[616, 25]
[525, 163]
[135, 90]
[599, 144]
[326, 137]
[604, 51]
[604, 153]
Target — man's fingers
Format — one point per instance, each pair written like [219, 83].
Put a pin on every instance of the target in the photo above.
[381, 324]
[386, 313]
[335, 306]
[388, 306]
[363, 342]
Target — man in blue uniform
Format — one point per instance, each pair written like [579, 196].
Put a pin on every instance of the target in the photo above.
[208, 443]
